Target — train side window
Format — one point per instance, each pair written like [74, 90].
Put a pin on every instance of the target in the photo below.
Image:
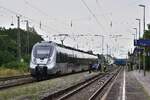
[58, 58]
[61, 58]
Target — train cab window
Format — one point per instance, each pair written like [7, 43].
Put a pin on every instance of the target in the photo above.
[43, 51]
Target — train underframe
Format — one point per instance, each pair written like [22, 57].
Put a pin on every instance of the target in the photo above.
[42, 72]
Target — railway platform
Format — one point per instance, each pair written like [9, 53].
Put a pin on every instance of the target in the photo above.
[129, 85]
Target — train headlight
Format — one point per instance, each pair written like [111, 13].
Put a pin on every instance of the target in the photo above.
[34, 60]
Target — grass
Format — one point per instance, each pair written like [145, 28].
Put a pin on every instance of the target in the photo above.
[7, 72]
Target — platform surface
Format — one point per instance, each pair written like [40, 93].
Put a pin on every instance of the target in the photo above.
[130, 85]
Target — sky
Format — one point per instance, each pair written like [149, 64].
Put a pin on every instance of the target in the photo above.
[114, 19]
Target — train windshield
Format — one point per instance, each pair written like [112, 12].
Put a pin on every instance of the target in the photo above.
[43, 51]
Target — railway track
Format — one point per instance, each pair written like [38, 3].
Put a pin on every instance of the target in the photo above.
[13, 77]
[88, 90]
[8, 82]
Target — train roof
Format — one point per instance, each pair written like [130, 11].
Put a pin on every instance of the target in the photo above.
[67, 47]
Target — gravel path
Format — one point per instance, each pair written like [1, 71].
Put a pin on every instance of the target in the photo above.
[40, 89]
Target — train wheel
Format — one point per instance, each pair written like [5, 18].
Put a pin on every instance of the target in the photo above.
[58, 73]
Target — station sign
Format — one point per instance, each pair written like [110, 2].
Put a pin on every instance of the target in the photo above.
[142, 42]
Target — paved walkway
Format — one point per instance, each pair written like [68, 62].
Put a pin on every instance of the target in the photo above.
[144, 80]
[134, 90]
[130, 86]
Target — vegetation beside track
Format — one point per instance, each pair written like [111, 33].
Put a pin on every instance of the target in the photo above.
[7, 72]
[9, 64]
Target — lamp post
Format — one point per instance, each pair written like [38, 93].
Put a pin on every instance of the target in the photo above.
[139, 20]
[144, 54]
[143, 17]
[136, 46]
[135, 33]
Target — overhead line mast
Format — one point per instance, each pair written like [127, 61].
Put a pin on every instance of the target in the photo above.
[18, 38]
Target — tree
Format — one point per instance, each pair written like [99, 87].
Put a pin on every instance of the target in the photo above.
[8, 44]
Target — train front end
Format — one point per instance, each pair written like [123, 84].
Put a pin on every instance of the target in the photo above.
[42, 59]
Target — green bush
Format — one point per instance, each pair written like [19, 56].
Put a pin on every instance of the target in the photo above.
[6, 57]
[16, 65]
[27, 58]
